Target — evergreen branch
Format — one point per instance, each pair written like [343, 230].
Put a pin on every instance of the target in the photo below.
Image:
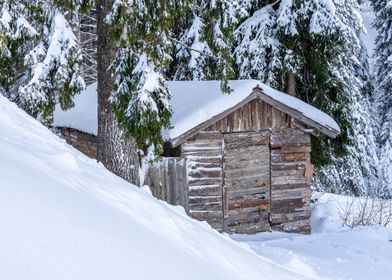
[276, 2]
[192, 49]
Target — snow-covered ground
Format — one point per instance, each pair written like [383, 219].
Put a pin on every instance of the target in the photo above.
[64, 216]
[334, 212]
[361, 253]
[333, 250]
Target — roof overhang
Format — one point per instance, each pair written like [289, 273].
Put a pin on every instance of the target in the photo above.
[258, 93]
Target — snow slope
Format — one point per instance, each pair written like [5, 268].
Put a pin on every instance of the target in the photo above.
[64, 216]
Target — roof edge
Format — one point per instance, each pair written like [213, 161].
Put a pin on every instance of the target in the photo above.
[193, 131]
[257, 93]
[329, 131]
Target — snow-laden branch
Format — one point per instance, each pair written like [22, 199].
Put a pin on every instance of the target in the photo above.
[193, 49]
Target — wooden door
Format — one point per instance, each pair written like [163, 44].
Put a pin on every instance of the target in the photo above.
[246, 192]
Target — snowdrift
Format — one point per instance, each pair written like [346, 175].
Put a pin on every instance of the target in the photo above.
[64, 216]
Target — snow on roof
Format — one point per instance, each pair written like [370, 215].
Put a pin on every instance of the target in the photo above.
[193, 103]
[84, 116]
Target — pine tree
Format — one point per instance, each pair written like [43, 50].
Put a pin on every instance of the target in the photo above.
[15, 30]
[257, 47]
[81, 15]
[117, 152]
[383, 78]
[144, 32]
[42, 57]
[312, 49]
[204, 51]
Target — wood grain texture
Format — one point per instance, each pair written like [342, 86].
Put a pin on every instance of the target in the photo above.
[205, 177]
[247, 182]
[290, 188]
[168, 181]
[253, 116]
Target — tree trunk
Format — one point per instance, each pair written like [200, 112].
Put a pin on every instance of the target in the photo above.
[290, 84]
[117, 154]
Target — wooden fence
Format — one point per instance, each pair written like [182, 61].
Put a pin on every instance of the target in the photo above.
[168, 181]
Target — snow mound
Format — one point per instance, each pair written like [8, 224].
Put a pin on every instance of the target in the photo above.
[64, 216]
[192, 102]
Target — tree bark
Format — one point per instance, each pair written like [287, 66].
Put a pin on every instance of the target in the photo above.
[117, 154]
[290, 84]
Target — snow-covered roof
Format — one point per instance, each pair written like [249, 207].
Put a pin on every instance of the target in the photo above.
[196, 102]
[83, 116]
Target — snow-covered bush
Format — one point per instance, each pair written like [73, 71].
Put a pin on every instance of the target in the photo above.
[348, 211]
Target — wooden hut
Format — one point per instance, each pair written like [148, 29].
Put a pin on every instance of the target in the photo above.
[241, 162]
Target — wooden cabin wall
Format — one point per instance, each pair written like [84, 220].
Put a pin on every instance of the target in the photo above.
[290, 188]
[253, 116]
[168, 181]
[289, 156]
[84, 142]
[246, 192]
[205, 177]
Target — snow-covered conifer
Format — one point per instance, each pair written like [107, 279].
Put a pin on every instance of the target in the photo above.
[205, 48]
[15, 32]
[45, 57]
[383, 79]
[312, 49]
[144, 32]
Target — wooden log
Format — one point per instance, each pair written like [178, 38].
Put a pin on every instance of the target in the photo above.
[261, 203]
[205, 190]
[287, 205]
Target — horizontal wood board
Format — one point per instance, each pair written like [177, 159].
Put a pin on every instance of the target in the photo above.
[290, 189]
[205, 177]
[246, 182]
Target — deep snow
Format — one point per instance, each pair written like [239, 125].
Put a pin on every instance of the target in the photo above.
[333, 250]
[360, 254]
[64, 216]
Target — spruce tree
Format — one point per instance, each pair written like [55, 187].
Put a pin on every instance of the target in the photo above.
[41, 57]
[312, 49]
[204, 51]
[144, 34]
[383, 78]
[117, 152]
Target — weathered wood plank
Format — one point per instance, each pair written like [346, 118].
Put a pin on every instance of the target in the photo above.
[241, 204]
[247, 181]
[168, 181]
[204, 153]
[206, 190]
